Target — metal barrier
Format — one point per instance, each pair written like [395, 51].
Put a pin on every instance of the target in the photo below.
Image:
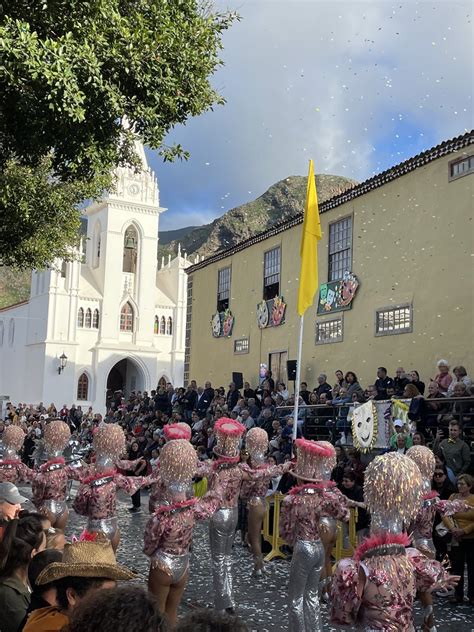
[271, 531]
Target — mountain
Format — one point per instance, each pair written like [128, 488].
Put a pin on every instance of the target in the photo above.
[282, 200]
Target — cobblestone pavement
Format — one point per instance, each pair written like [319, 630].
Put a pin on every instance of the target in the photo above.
[260, 602]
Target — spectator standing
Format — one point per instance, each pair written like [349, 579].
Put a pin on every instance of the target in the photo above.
[22, 539]
[382, 383]
[415, 380]
[248, 391]
[460, 377]
[304, 393]
[233, 396]
[42, 596]
[134, 454]
[189, 401]
[86, 567]
[353, 385]
[400, 381]
[443, 486]
[455, 451]
[323, 386]
[443, 377]
[340, 383]
[461, 527]
[355, 493]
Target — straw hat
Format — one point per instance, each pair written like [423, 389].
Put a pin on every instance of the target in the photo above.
[228, 433]
[86, 559]
[312, 458]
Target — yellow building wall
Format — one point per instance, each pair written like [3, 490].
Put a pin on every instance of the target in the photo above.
[412, 243]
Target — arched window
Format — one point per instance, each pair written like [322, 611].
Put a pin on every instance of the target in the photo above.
[126, 318]
[162, 325]
[95, 319]
[156, 325]
[63, 269]
[83, 387]
[80, 317]
[169, 326]
[1, 333]
[130, 250]
[88, 319]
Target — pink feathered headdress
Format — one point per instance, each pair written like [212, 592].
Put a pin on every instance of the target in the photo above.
[313, 460]
[228, 433]
[384, 539]
[179, 430]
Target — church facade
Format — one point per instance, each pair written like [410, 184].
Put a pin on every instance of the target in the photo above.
[111, 320]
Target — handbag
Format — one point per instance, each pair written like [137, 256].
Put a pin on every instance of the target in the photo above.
[442, 530]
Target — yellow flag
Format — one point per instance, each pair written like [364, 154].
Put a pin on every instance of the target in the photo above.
[309, 246]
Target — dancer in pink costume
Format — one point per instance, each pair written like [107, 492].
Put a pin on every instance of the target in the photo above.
[300, 517]
[50, 483]
[12, 470]
[374, 590]
[254, 490]
[168, 532]
[422, 527]
[96, 497]
[225, 473]
[171, 432]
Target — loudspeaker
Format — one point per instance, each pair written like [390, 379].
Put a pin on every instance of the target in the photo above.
[291, 370]
[238, 379]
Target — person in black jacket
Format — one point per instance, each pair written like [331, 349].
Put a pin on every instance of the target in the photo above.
[233, 396]
[382, 383]
[355, 494]
[204, 399]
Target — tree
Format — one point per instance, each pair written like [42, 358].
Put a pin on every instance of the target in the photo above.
[71, 72]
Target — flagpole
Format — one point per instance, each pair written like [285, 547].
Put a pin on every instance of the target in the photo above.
[298, 377]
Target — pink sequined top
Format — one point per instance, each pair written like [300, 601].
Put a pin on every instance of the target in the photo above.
[376, 592]
[170, 528]
[97, 494]
[228, 476]
[50, 482]
[260, 476]
[14, 471]
[305, 505]
[423, 524]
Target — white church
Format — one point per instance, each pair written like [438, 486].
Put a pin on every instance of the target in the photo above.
[111, 320]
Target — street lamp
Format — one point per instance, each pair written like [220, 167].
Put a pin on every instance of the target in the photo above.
[62, 363]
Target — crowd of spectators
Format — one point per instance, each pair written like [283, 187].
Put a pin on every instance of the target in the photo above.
[440, 414]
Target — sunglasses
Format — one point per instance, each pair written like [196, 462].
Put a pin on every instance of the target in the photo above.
[439, 474]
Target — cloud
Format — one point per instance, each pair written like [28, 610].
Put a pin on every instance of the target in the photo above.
[357, 86]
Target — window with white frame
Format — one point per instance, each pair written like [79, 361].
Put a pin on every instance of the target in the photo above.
[169, 326]
[271, 273]
[95, 319]
[461, 167]
[241, 345]
[329, 331]
[223, 289]
[2, 329]
[163, 325]
[88, 319]
[80, 317]
[11, 332]
[394, 320]
[83, 387]
[340, 248]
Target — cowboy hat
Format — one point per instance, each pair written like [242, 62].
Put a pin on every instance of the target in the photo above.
[85, 559]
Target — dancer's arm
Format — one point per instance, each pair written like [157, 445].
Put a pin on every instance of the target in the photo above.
[429, 574]
[335, 505]
[154, 531]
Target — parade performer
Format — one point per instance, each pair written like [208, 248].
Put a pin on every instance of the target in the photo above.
[225, 473]
[49, 486]
[301, 512]
[422, 527]
[96, 496]
[12, 470]
[375, 589]
[171, 432]
[327, 524]
[168, 532]
[254, 490]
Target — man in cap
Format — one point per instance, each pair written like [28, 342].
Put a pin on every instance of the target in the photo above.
[86, 567]
[10, 503]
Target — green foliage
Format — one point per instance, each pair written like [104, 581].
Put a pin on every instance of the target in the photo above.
[72, 71]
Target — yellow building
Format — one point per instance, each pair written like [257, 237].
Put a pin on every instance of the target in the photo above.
[405, 236]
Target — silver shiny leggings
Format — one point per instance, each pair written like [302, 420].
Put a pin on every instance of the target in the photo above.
[305, 569]
[221, 534]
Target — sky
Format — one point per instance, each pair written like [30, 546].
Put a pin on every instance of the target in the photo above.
[356, 86]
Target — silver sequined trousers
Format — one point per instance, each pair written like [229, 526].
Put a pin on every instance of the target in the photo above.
[221, 534]
[305, 570]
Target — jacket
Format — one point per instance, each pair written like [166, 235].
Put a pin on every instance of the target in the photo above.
[14, 602]
[48, 619]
